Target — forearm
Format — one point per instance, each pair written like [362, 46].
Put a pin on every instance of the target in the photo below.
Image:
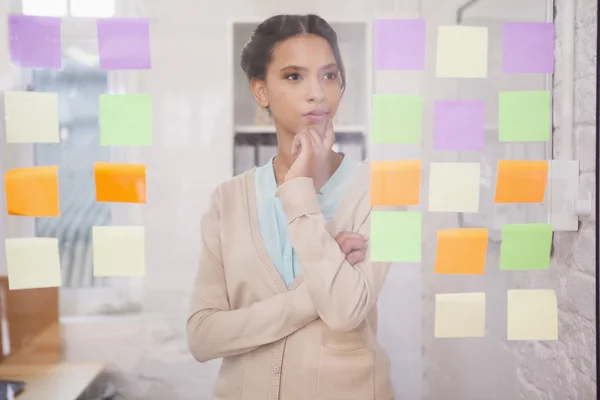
[343, 294]
[215, 333]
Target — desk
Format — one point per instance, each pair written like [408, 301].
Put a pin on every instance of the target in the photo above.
[59, 381]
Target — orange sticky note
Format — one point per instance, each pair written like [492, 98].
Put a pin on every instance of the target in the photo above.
[32, 192]
[395, 183]
[461, 251]
[521, 181]
[122, 183]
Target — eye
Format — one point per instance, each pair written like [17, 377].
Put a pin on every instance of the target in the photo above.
[331, 75]
[292, 77]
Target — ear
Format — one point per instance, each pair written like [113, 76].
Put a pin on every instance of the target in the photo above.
[259, 90]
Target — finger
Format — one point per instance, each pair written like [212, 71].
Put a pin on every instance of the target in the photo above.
[350, 245]
[329, 135]
[315, 140]
[355, 257]
[303, 143]
[349, 234]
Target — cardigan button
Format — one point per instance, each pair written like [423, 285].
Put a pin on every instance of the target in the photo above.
[276, 370]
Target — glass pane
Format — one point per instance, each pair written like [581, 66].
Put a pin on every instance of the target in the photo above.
[93, 8]
[48, 8]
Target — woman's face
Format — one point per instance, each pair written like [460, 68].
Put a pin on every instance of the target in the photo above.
[302, 86]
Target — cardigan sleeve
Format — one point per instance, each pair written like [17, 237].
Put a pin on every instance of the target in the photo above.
[343, 294]
[214, 330]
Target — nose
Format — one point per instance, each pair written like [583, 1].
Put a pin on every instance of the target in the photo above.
[315, 94]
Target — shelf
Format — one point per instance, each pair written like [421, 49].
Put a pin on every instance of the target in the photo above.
[254, 129]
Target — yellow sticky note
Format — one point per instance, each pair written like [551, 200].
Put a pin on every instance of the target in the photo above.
[32, 263]
[31, 117]
[532, 314]
[459, 315]
[454, 187]
[119, 251]
[462, 52]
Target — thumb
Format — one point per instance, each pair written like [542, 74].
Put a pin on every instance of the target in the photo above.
[329, 135]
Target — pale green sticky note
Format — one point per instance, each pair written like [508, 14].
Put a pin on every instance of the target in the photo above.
[524, 116]
[459, 315]
[119, 251]
[525, 246]
[396, 236]
[32, 263]
[396, 118]
[532, 315]
[31, 117]
[125, 120]
[462, 52]
[454, 187]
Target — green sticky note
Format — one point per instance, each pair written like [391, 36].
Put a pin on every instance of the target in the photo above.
[396, 236]
[525, 246]
[396, 118]
[126, 120]
[524, 116]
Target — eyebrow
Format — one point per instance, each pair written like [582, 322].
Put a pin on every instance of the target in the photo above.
[298, 68]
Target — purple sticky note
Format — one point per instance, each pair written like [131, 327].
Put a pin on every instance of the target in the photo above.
[528, 48]
[35, 41]
[124, 44]
[459, 125]
[400, 44]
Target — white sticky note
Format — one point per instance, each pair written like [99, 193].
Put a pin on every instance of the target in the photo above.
[454, 187]
[31, 117]
[119, 251]
[32, 263]
[462, 52]
[532, 314]
[459, 315]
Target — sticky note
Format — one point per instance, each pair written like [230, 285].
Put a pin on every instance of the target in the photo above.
[459, 125]
[395, 183]
[525, 246]
[521, 181]
[462, 52]
[31, 117]
[35, 42]
[528, 48]
[396, 236]
[32, 263]
[124, 43]
[125, 120]
[459, 315]
[32, 192]
[119, 251]
[532, 314]
[461, 251]
[454, 187]
[524, 116]
[399, 44]
[396, 118]
[125, 183]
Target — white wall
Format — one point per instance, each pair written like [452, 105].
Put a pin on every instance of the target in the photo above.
[191, 86]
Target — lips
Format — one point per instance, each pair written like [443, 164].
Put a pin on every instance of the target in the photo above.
[317, 113]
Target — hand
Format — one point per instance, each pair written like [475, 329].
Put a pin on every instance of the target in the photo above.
[311, 150]
[353, 245]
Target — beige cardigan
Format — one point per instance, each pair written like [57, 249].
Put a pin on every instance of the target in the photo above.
[317, 340]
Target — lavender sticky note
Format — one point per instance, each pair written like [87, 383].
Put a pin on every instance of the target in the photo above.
[459, 125]
[528, 48]
[400, 44]
[35, 41]
[124, 44]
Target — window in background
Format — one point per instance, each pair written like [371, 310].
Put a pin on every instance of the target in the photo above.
[79, 85]
[76, 8]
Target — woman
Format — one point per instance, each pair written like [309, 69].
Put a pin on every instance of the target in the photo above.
[285, 292]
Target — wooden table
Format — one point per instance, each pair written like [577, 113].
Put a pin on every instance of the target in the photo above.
[59, 381]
